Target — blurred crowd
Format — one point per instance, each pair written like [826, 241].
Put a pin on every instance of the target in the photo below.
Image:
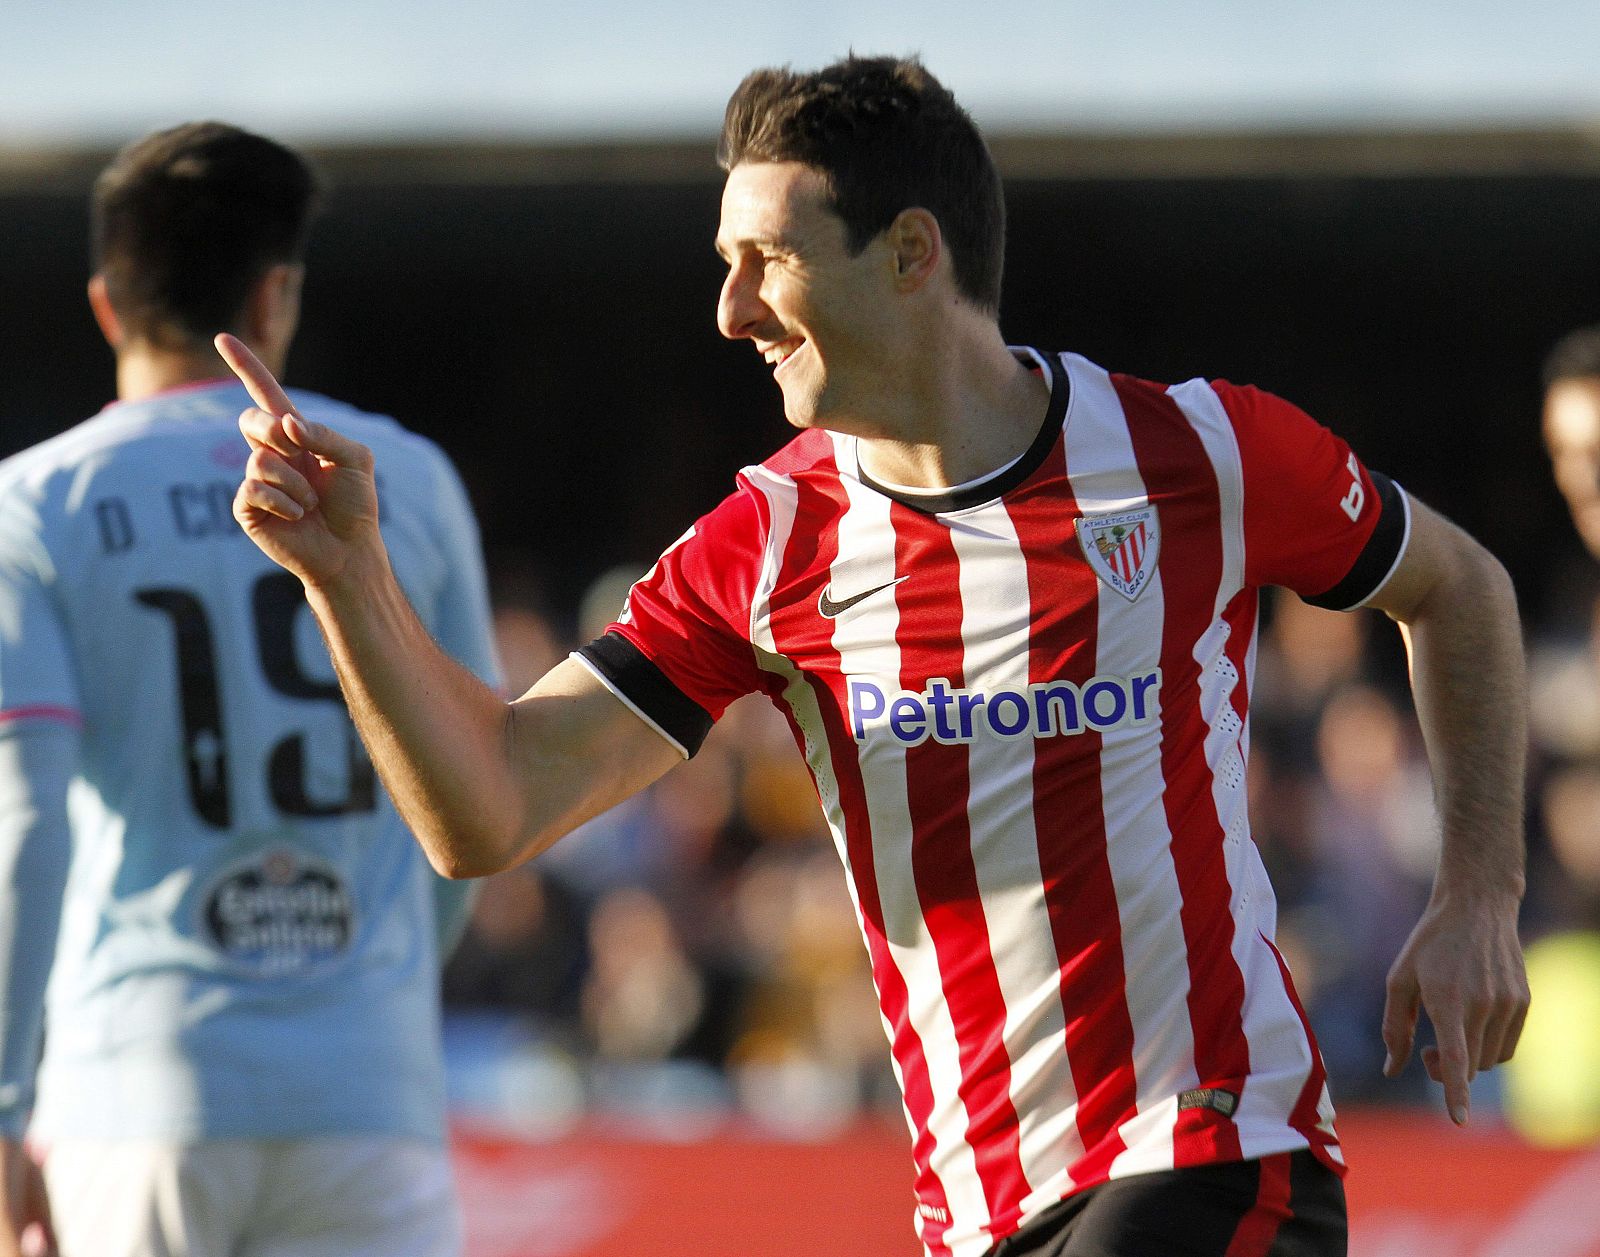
[694, 955]
[691, 954]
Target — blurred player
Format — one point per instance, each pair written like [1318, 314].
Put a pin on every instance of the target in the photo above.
[1552, 1092]
[243, 1052]
[1007, 601]
[1572, 427]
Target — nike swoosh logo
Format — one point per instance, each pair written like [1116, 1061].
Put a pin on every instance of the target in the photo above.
[830, 608]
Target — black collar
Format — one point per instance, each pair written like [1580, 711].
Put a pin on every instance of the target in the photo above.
[1008, 478]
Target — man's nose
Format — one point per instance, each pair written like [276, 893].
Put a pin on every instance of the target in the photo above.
[739, 306]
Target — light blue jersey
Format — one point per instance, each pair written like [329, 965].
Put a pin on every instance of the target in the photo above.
[246, 943]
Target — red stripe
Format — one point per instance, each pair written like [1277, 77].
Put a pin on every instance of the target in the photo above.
[1080, 895]
[43, 711]
[1133, 549]
[1241, 614]
[1168, 451]
[798, 630]
[1304, 1117]
[1259, 1228]
[937, 787]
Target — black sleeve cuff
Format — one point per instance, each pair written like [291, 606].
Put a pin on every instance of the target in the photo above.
[645, 688]
[1377, 559]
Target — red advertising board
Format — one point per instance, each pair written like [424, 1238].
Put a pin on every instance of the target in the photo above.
[1417, 1188]
[601, 1194]
[1420, 1188]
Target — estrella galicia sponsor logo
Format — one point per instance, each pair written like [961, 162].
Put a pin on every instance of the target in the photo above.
[279, 912]
[949, 715]
[1122, 548]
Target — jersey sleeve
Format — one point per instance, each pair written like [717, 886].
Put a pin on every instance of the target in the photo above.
[680, 652]
[37, 679]
[36, 767]
[1315, 519]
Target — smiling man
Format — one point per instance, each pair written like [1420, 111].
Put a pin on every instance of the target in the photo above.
[1007, 601]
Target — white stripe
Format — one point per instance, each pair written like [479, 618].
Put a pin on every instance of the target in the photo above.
[1280, 1053]
[797, 695]
[1105, 479]
[996, 631]
[865, 641]
[1218, 675]
[800, 700]
[783, 501]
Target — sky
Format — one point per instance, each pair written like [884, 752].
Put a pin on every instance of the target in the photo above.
[96, 71]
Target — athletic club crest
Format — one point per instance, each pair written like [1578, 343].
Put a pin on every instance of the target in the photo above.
[1122, 548]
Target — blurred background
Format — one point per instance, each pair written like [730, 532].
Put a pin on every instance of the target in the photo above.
[1385, 213]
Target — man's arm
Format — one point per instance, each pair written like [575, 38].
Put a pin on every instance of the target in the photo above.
[483, 784]
[463, 625]
[36, 765]
[1463, 961]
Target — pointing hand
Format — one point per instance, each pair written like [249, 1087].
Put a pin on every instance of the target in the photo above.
[308, 498]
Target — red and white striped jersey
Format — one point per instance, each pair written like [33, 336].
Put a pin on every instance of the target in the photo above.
[1024, 703]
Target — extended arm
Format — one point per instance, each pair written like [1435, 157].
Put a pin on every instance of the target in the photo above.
[1463, 961]
[483, 784]
[36, 765]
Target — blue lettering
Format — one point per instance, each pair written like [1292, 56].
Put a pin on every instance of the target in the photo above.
[1049, 700]
[1002, 726]
[1093, 708]
[908, 719]
[1140, 686]
[1048, 709]
[966, 704]
[940, 698]
[866, 703]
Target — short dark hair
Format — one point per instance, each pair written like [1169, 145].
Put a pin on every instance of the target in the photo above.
[186, 220]
[1575, 355]
[886, 135]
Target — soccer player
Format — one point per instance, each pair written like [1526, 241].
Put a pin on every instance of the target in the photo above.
[1572, 427]
[241, 940]
[1007, 601]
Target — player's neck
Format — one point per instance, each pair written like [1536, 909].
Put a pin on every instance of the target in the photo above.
[970, 409]
[145, 370]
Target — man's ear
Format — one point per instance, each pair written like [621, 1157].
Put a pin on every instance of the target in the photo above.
[104, 315]
[272, 310]
[917, 246]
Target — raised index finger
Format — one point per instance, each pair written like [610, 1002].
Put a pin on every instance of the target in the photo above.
[264, 388]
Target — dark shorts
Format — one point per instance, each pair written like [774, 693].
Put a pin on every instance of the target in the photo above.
[1287, 1205]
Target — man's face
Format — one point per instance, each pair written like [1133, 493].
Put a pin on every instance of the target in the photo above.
[1572, 435]
[818, 315]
